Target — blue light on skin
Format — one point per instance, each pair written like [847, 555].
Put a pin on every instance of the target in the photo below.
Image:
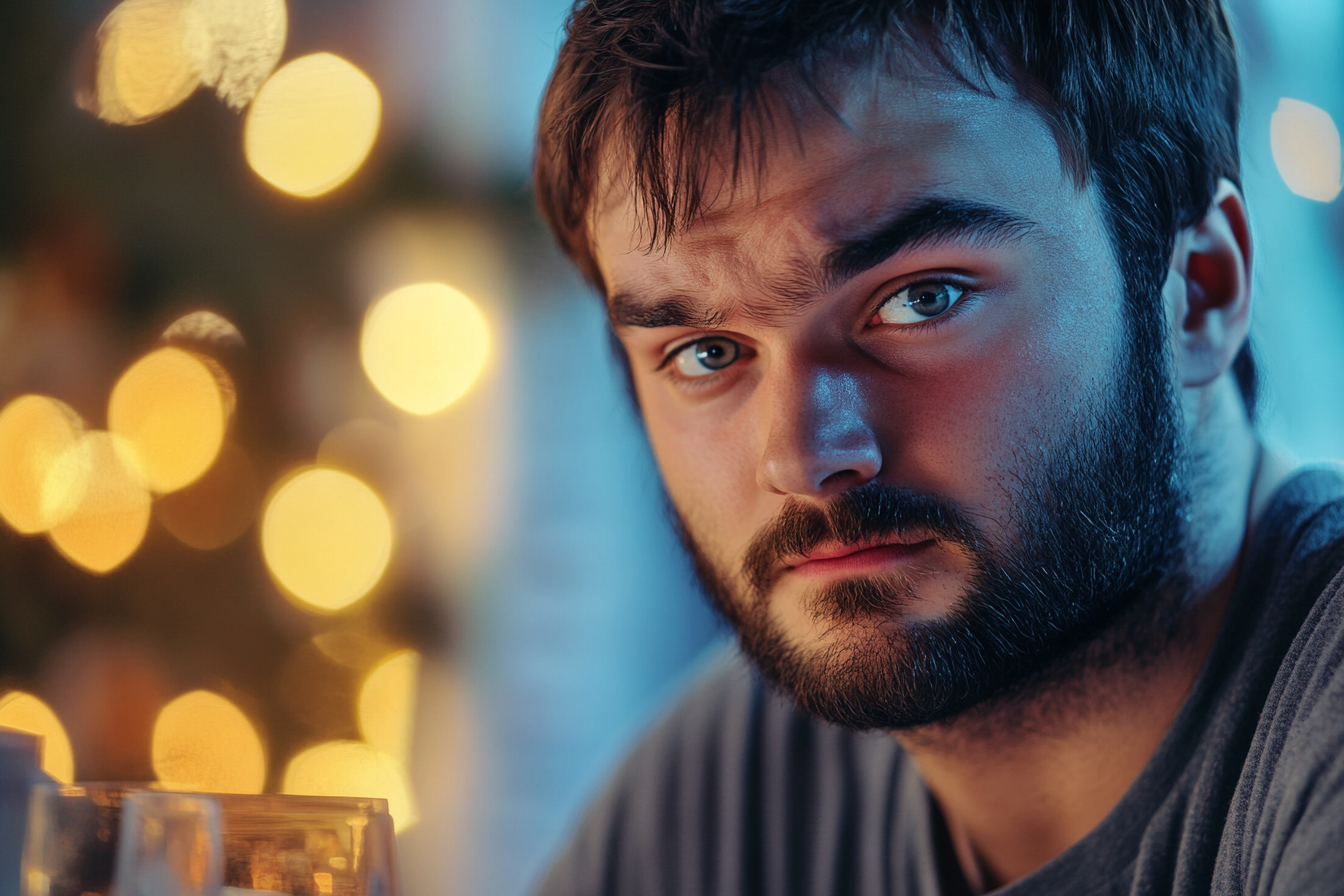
[828, 389]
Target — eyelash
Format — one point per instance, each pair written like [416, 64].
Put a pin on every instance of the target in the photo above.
[673, 352]
[967, 298]
[666, 369]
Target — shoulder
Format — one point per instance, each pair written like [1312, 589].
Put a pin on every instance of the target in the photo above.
[1307, 520]
[729, 777]
[1288, 813]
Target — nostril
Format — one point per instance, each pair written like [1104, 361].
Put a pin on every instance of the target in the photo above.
[841, 480]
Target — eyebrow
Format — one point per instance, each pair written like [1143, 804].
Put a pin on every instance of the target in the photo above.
[930, 220]
[624, 310]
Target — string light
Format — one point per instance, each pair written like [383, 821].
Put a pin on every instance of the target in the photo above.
[24, 712]
[109, 506]
[204, 329]
[387, 704]
[145, 63]
[236, 44]
[423, 346]
[312, 125]
[172, 407]
[353, 769]
[1306, 147]
[35, 431]
[326, 537]
[203, 742]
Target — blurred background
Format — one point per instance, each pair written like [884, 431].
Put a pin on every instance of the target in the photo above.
[315, 471]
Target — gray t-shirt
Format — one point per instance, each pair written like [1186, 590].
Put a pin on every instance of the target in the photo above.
[737, 792]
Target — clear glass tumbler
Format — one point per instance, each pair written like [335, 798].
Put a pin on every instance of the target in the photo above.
[310, 846]
[171, 844]
[301, 845]
[71, 844]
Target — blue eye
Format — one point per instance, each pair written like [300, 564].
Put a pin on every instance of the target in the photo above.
[706, 356]
[919, 301]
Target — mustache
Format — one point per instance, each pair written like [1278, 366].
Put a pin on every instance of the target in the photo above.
[868, 512]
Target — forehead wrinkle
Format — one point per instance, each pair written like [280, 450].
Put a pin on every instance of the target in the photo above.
[785, 295]
[747, 256]
[764, 275]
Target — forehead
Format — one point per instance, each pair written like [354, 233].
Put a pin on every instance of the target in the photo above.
[892, 141]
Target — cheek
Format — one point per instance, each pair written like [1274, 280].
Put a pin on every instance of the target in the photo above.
[972, 424]
[708, 466]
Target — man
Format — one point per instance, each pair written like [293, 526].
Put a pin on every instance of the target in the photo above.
[936, 314]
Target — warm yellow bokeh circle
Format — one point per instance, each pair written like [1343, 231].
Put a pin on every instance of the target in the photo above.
[96, 490]
[423, 346]
[387, 704]
[312, 124]
[353, 769]
[24, 712]
[326, 537]
[35, 432]
[203, 742]
[172, 408]
[145, 63]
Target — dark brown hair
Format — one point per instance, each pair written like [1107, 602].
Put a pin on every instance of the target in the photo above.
[1143, 97]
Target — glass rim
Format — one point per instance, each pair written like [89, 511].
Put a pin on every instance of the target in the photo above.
[369, 804]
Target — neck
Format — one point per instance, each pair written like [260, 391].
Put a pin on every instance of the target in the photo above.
[1020, 784]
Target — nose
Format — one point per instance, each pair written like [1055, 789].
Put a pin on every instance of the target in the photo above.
[818, 437]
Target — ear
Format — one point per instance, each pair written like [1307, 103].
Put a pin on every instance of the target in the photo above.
[1208, 289]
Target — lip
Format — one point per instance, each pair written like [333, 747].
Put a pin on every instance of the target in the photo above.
[852, 559]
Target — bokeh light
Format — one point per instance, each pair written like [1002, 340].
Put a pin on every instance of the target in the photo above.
[217, 508]
[203, 742]
[352, 769]
[172, 407]
[326, 537]
[312, 124]
[1306, 148]
[387, 704]
[236, 44]
[354, 646]
[34, 432]
[423, 346]
[204, 329]
[145, 63]
[24, 712]
[110, 506]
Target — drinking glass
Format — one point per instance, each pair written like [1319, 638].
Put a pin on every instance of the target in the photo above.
[170, 845]
[309, 845]
[71, 844]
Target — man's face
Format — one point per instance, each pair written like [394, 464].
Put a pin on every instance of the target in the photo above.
[894, 395]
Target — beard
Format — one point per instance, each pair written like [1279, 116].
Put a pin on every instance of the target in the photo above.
[1094, 576]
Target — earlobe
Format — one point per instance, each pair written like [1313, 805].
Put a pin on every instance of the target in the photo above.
[1212, 262]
